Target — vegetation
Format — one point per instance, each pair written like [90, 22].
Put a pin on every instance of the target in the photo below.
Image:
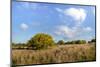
[41, 41]
[33, 51]
[92, 41]
[76, 42]
[80, 42]
[61, 42]
[19, 45]
[58, 54]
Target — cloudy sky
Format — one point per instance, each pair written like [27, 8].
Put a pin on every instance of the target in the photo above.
[63, 22]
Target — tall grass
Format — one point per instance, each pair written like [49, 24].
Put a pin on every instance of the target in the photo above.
[58, 54]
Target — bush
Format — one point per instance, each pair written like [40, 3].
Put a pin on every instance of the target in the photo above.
[60, 42]
[41, 41]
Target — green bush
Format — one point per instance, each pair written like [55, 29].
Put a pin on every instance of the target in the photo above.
[60, 42]
[41, 41]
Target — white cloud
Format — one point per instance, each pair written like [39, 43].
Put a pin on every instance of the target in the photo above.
[78, 14]
[66, 31]
[88, 29]
[24, 26]
[71, 32]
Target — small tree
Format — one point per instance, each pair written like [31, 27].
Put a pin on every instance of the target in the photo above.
[60, 42]
[41, 41]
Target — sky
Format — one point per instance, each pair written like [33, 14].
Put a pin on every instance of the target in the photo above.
[61, 21]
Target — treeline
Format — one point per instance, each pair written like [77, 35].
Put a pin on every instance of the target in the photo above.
[44, 41]
[19, 46]
[72, 42]
[62, 42]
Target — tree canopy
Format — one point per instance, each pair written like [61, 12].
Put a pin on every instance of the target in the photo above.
[41, 41]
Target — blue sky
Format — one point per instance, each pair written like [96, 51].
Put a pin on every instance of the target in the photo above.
[63, 22]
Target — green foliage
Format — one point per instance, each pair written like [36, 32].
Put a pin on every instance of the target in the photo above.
[41, 41]
[60, 42]
[80, 42]
[18, 45]
[76, 42]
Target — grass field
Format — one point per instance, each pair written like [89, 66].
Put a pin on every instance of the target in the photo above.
[58, 54]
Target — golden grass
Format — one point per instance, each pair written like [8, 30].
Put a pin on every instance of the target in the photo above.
[58, 54]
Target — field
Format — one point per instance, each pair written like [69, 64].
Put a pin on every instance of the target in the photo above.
[58, 54]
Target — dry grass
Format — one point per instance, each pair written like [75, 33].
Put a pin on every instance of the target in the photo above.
[59, 54]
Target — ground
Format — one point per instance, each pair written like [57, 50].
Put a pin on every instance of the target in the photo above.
[59, 54]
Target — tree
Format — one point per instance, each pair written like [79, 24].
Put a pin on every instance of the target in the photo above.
[93, 40]
[60, 42]
[80, 41]
[41, 41]
[76, 42]
[18, 45]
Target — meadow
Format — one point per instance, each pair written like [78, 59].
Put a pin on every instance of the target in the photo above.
[57, 54]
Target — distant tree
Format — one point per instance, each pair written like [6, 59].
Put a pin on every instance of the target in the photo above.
[13, 44]
[67, 42]
[93, 40]
[61, 42]
[80, 41]
[18, 45]
[76, 42]
[72, 42]
[41, 41]
[89, 41]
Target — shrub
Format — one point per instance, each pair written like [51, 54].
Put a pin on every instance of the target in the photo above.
[61, 42]
[41, 41]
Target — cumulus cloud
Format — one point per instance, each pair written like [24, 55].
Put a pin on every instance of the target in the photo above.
[66, 31]
[71, 32]
[24, 26]
[78, 14]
